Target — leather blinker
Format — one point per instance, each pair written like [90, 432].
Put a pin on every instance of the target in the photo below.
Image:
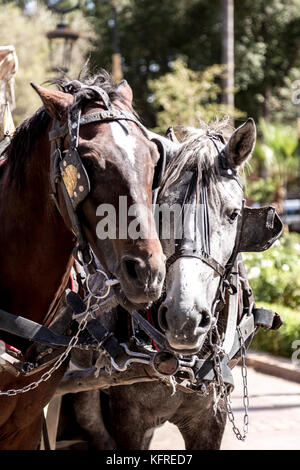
[261, 227]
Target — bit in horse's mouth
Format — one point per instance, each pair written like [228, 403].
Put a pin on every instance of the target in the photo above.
[125, 302]
[129, 304]
[186, 352]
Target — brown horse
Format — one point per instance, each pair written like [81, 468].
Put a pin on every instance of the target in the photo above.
[36, 240]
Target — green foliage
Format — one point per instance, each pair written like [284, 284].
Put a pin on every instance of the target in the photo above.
[183, 96]
[275, 161]
[274, 275]
[27, 34]
[279, 342]
[278, 150]
[152, 36]
[267, 56]
[261, 190]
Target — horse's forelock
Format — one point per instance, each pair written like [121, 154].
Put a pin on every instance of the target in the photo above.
[82, 88]
[197, 150]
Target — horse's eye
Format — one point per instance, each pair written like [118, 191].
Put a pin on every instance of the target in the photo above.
[234, 215]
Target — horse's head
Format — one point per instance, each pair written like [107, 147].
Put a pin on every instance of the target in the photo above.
[114, 200]
[203, 179]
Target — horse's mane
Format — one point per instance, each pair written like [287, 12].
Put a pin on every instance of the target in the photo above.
[196, 150]
[28, 133]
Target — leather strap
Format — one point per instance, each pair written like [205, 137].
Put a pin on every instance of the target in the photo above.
[99, 116]
[30, 330]
[150, 330]
[232, 314]
[102, 335]
[106, 340]
[204, 369]
[207, 259]
[189, 248]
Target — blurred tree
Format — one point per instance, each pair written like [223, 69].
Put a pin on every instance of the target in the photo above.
[267, 52]
[152, 36]
[183, 97]
[267, 55]
[27, 34]
[275, 159]
[278, 150]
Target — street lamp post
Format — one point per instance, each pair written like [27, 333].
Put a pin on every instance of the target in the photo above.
[61, 39]
[61, 42]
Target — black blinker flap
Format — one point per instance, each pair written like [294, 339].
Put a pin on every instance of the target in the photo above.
[74, 177]
[261, 228]
[161, 164]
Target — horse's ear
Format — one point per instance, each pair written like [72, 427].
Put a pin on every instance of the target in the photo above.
[241, 143]
[56, 102]
[125, 91]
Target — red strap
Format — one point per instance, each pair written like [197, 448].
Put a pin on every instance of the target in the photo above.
[8, 346]
[239, 304]
[149, 320]
[72, 283]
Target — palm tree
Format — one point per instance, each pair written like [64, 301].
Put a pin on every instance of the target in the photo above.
[276, 153]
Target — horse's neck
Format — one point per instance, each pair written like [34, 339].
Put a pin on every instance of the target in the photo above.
[35, 244]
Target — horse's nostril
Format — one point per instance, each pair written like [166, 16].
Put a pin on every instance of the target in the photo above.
[130, 266]
[162, 317]
[205, 320]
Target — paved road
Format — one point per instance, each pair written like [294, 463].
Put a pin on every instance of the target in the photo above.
[274, 417]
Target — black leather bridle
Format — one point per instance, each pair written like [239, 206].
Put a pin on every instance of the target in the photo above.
[190, 248]
[67, 168]
[257, 228]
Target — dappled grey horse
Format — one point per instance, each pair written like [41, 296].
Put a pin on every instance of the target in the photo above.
[203, 258]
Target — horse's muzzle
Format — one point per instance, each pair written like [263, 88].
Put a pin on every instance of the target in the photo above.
[142, 281]
[185, 330]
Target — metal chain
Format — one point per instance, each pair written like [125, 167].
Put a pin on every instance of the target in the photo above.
[46, 376]
[224, 392]
[73, 341]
